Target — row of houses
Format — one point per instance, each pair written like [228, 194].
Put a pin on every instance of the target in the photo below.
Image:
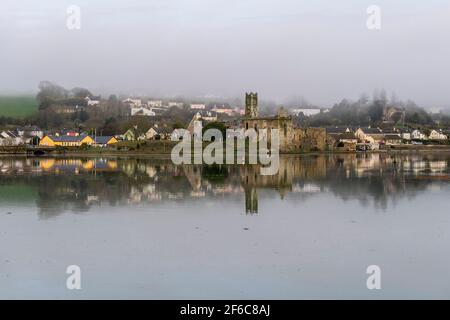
[20, 136]
[72, 138]
[77, 141]
[157, 132]
[32, 135]
[153, 108]
[376, 136]
[219, 109]
[149, 109]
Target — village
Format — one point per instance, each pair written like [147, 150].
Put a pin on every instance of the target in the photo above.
[224, 158]
[148, 122]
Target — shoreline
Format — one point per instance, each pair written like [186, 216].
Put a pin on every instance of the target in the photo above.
[403, 149]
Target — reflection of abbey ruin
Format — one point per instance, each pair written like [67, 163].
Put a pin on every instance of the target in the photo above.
[76, 184]
[291, 138]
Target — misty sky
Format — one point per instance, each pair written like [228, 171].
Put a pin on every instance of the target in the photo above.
[321, 49]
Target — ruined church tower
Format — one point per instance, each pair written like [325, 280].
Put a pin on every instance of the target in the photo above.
[251, 105]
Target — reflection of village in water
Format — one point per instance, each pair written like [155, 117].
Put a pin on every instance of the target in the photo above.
[77, 184]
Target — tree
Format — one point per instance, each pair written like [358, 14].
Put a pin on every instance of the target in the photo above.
[216, 125]
[80, 93]
[376, 110]
[177, 125]
[112, 98]
[110, 126]
[363, 99]
[80, 116]
[49, 92]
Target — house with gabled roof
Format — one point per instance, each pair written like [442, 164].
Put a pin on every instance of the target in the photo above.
[92, 101]
[152, 133]
[418, 135]
[141, 111]
[437, 135]
[133, 134]
[158, 132]
[105, 141]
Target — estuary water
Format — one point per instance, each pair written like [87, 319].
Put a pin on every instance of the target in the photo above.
[143, 228]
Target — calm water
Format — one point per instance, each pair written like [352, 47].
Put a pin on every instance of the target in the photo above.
[143, 228]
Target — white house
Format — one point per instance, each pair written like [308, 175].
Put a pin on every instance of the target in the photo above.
[175, 104]
[133, 102]
[224, 110]
[197, 106]
[92, 101]
[140, 111]
[406, 135]
[155, 103]
[151, 133]
[10, 138]
[437, 135]
[417, 135]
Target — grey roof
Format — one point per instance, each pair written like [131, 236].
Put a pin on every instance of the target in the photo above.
[68, 138]
[102, 139]
[10, 134]
[94, 97]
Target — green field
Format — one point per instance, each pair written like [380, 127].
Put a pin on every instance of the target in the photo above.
[17, 106]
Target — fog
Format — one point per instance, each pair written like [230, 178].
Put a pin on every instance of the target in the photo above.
[321, 50]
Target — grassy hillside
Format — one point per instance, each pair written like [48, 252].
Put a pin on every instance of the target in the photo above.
[17, 106]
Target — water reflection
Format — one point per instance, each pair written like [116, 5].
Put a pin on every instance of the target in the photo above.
[56, 185]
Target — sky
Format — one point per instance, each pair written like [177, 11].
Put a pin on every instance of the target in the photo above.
[321, 50]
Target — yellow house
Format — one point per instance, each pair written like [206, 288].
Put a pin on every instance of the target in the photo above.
[66, 141]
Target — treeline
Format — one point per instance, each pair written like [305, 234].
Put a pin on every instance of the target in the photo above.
[374, 111]
[53, 94]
